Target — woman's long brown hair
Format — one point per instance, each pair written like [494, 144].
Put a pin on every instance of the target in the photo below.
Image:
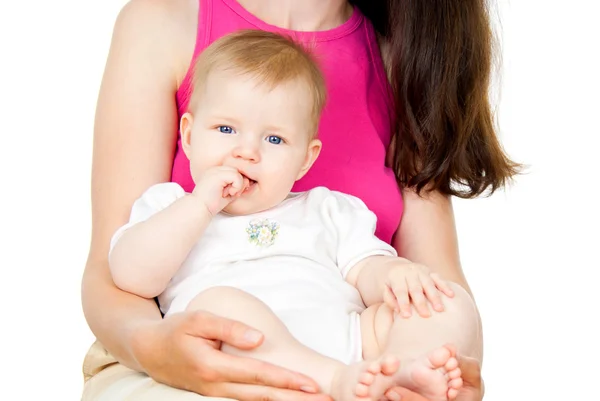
[439, 55]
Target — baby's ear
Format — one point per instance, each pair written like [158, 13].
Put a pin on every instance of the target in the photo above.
[312, 153]
[185, 128]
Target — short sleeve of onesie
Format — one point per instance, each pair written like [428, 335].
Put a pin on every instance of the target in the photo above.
[354, 225]
[155, 199]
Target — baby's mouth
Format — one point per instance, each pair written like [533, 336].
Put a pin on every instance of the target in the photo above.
[251, 182]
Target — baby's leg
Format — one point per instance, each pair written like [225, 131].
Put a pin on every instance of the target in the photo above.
[280, 348]
[427, 365]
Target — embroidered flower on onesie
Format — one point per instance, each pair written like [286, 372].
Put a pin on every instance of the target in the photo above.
[262, 232]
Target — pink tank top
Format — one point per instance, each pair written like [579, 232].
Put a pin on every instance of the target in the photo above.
[355, 126]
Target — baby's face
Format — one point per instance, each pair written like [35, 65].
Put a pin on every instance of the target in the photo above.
[266, 135]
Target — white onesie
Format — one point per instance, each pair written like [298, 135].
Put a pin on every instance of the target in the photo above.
[293, 257]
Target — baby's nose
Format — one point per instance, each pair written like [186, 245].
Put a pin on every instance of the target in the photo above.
[247, 151]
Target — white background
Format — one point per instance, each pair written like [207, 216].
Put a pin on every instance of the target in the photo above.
[530, 253]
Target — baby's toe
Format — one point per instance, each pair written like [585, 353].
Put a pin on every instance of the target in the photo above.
[361, 390]
[389, 365]
[439, 357]
[455, 383]
[451, 364]
[367, 378]
[453, 374]
[452, 394]
[374, 367]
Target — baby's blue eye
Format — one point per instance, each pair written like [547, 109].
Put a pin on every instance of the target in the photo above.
[275, 140]
[224, 129]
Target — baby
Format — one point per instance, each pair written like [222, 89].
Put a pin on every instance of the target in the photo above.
[303, 268]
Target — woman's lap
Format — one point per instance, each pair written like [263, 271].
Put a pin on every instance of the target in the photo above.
[107, 380]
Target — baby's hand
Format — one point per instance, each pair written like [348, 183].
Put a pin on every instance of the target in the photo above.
[219, 186]
[413, 283]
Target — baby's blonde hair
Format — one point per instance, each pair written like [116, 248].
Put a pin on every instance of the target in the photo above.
[269, 58]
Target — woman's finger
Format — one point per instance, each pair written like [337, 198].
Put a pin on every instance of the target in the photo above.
[212, 327]
[241, 370]
[471, 371]
[404, 394]
[247, 392]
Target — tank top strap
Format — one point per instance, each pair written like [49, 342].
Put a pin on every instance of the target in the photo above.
[205, 13]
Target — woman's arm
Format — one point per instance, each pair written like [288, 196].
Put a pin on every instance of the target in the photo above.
[427, 231]
[427, 235]
[134, 143]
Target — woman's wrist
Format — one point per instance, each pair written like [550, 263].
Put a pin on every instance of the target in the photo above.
[143, 342]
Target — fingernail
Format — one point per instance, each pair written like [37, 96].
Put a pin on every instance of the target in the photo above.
[308, 389]
[252, 336]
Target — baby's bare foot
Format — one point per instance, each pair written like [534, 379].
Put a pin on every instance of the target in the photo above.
[435, 376]
[364, 381]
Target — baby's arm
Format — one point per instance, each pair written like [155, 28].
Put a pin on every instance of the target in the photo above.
[147, 254]
[399, 283]
[370, 275]
[166, 224]
[360, 255]
[373, 266]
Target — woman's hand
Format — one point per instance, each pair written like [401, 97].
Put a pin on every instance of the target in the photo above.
[183, 351]
[473, 388]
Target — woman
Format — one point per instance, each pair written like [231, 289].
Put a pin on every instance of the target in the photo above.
[438, 63]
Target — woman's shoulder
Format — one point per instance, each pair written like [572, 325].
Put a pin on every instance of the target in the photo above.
[159, 15]
[174, 11]
[168, 27]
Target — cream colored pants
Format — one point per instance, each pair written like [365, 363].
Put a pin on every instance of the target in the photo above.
[108, 380]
